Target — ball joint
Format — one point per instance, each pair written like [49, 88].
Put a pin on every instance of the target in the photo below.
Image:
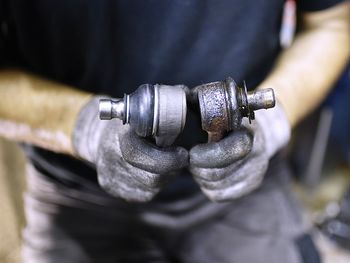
[157, 111]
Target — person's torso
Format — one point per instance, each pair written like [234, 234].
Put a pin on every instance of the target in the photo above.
[113, 46]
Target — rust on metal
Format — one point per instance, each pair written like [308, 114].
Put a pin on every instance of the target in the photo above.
[214, 114]
[223, 104]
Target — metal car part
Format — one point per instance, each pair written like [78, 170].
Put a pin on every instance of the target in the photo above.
[152, 110]
[223, 104]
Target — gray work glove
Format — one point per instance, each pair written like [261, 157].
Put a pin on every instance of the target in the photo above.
[127, 166]
[236, 165]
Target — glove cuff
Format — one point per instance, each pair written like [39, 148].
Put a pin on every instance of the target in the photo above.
[88, 129]
[275, 127]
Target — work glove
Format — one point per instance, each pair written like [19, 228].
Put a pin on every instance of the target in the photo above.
[128, 166]
[236, 165]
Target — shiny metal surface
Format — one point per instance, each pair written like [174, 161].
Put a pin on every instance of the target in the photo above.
[109, 109]
[172, 114]
[261, 99]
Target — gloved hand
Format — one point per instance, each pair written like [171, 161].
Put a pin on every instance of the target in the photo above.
[127, 166]
[236, 165]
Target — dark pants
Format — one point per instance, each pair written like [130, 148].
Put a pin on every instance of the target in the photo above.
[70, 224]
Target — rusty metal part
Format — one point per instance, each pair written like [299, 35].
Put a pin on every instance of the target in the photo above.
[216, 118]
[223, 104]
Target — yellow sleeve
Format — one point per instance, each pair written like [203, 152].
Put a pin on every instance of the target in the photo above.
[305, 73]
[38, 111]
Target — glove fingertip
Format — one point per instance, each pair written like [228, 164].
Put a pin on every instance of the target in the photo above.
[232, 148]
[182, 156]
[147, 156]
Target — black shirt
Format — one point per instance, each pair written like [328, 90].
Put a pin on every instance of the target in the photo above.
[113, 46]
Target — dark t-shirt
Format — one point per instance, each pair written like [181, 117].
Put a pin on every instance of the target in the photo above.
[113, 46]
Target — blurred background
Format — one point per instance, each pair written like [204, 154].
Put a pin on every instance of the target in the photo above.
[319, 156]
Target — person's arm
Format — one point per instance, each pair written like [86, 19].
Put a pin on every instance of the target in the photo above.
[302, 77]
[39, 111]
[64, 119]
[305, 73]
